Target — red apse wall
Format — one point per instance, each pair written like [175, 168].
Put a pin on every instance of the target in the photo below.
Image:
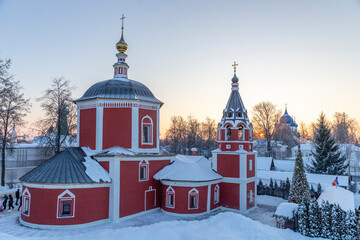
[181, 200]
[251, 173]
[91, 204]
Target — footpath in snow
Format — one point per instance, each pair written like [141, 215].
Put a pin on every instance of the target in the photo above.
[224, 225]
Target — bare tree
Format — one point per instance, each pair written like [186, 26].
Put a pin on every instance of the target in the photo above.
[344, 128]
[265, 116]
[59, 123]
[13, 109]
[304, 132]
[183, 135]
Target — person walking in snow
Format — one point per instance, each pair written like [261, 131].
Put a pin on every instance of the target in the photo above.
[20, 203]
[17, 195]
[11, 202]
[5, 201]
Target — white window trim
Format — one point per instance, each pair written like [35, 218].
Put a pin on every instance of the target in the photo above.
[196, 199]
[170, 191]
[251, 196]
[151, 131]
[26, 191]
[250, 164]
[144, 163]
[61, 197]
[216, 194]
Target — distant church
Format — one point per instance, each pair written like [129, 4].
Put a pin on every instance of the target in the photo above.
[119, 171]
[286, 131]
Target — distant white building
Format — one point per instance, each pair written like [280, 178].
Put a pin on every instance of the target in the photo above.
[306, 149]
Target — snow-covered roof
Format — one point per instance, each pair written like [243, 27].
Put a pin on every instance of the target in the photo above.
[338, 195]
[288, 165]
[263, 163]
[113, 151]
[286, 210]
[188, 168]
[324, 180]
[71, 166]
[304, 147]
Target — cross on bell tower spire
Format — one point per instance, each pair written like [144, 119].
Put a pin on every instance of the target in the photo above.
[121, 67]
[235, 65]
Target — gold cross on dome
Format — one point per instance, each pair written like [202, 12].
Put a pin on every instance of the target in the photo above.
[235, 65]
[122, 20]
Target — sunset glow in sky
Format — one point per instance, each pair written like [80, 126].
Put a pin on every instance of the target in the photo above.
[304, 53]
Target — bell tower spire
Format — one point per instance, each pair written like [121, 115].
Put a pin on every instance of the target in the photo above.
[121, 67]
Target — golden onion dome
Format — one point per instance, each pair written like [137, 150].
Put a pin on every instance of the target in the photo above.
[121, 45]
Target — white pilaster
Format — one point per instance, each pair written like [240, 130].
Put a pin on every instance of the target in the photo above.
[114, 204]
[135, 129]
[214, 161]
[243, 165]
[243, 197]
[158, 129]
[78, 126]
[99, 127]
[208, 198]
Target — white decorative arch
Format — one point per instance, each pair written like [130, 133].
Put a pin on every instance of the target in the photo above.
[147, 131]
[170, 197]
[26, 200]
[143, 170]
[216, 194]
[67, 198]
[193, 199]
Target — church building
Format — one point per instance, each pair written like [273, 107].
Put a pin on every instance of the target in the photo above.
[119, 171]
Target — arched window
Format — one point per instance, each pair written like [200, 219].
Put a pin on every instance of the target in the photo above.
[250, 134]
[230, 114]
[239, 115]
[228, 133]
[193, 199]
[170, 197]
[147, 130]
[143, 170]
[216, 194]
[241, 133]
[66, 205]
[25, 210]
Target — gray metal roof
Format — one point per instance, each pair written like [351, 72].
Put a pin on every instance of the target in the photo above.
[235, 104]
[119, 89]
[65, 167]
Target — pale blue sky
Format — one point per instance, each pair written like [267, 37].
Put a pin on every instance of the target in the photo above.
[305, 53]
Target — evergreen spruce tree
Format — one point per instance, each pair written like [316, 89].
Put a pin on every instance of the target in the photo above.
[303, 217]
[271, 186]
[326, 230]
[327, 156]
[260, 188]
[312, 192]
[335, 222]
[299, 188]
[314, 219]
[318, 190]
[351, 225]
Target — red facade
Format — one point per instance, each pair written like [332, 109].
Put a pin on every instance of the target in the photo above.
[136, 195]
[117, 127]
[228, 165]
[230, 195]
[148, 117]
[250, 192]
[87, 128]
[182, 203]
[91, 204]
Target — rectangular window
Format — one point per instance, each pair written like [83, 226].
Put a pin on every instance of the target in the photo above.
[193, 202]
[142, 173]
[250, 165]
[146, 134]
[171, 200]
[250, 196]
[65, 208]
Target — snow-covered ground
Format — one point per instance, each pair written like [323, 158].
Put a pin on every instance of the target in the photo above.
[224, 225]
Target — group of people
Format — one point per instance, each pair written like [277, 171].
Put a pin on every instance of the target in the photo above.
[9, 200]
